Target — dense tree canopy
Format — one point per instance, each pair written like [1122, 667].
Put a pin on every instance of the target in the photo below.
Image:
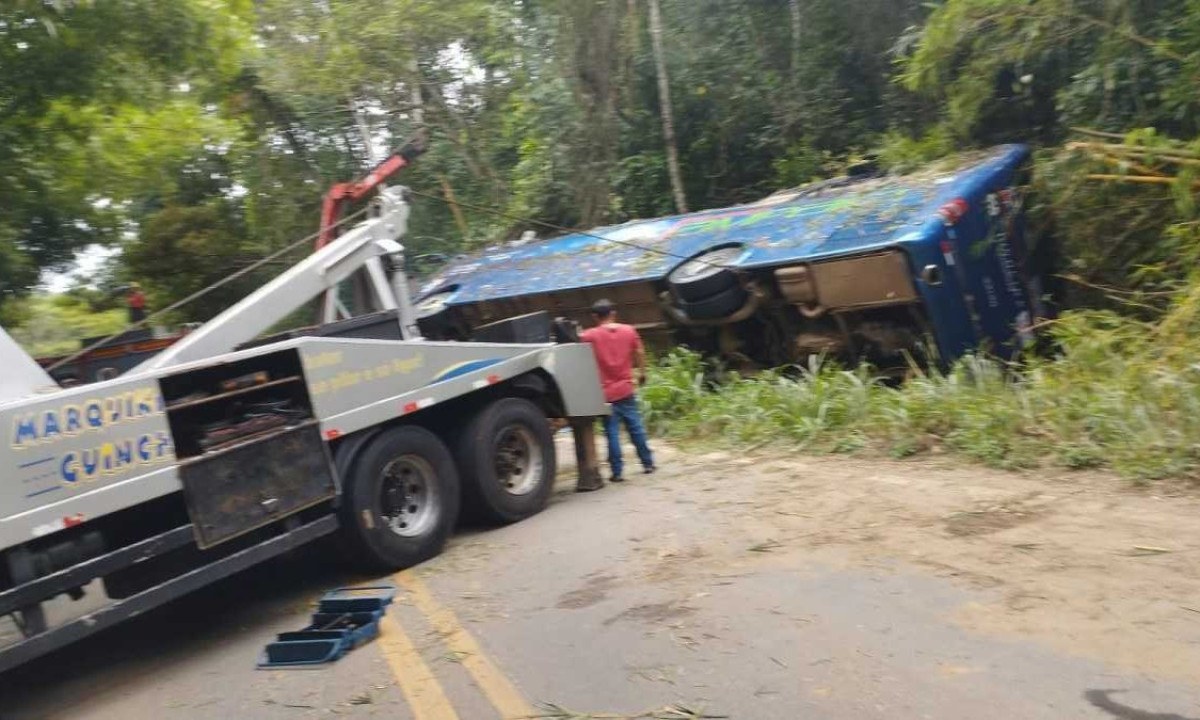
[106, 113]
[198, 135]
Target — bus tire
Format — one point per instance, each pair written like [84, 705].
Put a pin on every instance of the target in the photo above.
[401, 499]
[507, 461]
[719, 306]
[705, 275]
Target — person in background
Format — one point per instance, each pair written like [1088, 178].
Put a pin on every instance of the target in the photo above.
[136, 301]
[618, 349]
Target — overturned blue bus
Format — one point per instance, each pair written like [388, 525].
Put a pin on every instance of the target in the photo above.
[929, 266]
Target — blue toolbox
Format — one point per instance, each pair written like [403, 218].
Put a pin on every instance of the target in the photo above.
[345, 618]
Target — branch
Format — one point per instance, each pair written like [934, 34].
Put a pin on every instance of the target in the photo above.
[1140, 179]
[1175, 155]
[1097, 133]
[1132, 36]
[1123, 162]
[1112, 293]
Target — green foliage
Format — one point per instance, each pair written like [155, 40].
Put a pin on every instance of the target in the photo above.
[54, 324]
[540, 109]
[207, 240]
[801, 164]
[748, 121]
[1128, 245]
[1011, 68]
[1121, 394]
[903, 153]
[101, 105]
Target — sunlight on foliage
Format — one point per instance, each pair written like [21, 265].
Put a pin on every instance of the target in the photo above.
[55, 324]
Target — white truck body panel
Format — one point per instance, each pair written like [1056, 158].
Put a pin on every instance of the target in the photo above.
[92, 450]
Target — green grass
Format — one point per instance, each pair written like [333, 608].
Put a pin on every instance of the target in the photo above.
[55, 324]
[1117, 394]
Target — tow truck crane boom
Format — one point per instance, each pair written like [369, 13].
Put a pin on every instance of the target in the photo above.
[342, 194]
[338, 196]
[320, 272]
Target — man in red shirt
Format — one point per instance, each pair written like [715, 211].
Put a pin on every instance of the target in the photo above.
[136, 302]
[618, 349]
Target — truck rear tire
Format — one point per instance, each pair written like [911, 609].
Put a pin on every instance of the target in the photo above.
[401, 499]
[506, 457]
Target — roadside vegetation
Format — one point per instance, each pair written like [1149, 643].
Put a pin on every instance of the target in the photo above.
[1117, 393]
[55, 324]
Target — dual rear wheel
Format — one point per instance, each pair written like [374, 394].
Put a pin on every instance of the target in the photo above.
[403, 493]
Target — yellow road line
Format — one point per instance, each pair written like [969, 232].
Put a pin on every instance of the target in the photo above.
[421, 689]
[503, 695]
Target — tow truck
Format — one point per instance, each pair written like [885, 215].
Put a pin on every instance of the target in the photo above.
[226, 449]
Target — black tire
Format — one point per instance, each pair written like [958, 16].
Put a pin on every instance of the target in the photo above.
[719, 306]
[383, 524]
[703, 277]
[506, 457]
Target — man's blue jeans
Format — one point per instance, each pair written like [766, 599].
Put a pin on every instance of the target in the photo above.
[626, 411]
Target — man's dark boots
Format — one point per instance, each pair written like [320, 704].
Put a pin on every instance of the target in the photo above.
[590, 483]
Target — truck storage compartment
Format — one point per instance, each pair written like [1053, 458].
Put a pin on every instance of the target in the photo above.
[251, 484]
[249, 448]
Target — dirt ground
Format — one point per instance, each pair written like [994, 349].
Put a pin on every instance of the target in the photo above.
[1084, 562]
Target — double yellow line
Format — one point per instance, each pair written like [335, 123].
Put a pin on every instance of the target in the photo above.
[420, 686]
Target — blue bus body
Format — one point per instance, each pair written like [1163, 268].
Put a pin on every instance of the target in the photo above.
[934, 262]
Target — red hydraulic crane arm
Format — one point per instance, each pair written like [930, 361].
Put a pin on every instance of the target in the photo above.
[342, 194]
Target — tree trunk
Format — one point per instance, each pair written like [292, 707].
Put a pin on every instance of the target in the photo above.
[459, 218]
[593, 28]
[418, 103]
[797, 27]
[664, 101]
[630, 45]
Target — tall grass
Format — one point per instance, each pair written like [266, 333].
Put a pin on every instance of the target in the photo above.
[1117, 393]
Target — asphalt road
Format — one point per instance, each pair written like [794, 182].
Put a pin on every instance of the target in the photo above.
[665, 591]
